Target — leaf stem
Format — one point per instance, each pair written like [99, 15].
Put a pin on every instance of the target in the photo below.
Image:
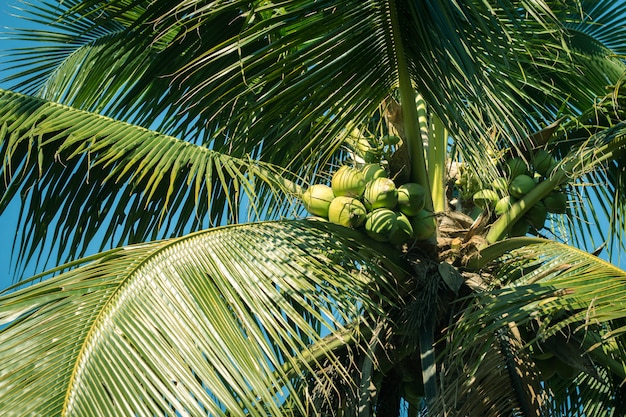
[411, 126]
[437, 146]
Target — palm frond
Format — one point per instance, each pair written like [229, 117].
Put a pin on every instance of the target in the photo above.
[594, 146]
[603, 21]
[497, 379]
[282, 80]
[79, 174]
[214, 321]
[550, 291]
[593, 43]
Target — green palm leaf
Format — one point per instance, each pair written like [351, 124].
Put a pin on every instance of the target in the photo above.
[549, 291]
[77, 170]
[218, 320]
[283, 79]
[598, 176]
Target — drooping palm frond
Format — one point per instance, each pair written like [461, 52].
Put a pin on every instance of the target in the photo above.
[593, 42]
[563, 304]
[79, 174]
[597, 187]
[71, 44]
[216, 321]
[282, 79]
[495, 380]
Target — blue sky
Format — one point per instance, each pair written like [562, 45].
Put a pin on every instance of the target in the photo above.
[8, 220]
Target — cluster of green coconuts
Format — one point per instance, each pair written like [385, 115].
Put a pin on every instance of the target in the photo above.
[518, 179]
[367, 199]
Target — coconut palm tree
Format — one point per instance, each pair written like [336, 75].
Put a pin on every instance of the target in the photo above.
[181, 139]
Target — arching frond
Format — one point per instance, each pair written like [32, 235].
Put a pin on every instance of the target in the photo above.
[560, 303]
[214, 322]
[595, 146]
[282, 80]
[82, 174]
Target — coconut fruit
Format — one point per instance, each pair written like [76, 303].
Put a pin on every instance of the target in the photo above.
[413, 392]
[545, 368]
[521, 185]
[485, 199]
[348, 181]
[390, 140]
[543, 162]
[380, 193]
[537, 215]
[516, 166]
[411, 198]
[317, 198]
[424, 225]
[380, 224]
[563, 369]
[346, 211]
[519, 228]
[373, 171]
[504, 204]
[404, 231]
[556, 202]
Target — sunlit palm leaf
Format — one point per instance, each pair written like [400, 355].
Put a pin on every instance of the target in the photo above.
[271, 74]
[217, 320]
[493, 380]
[595, 144]
[82, 172]
[550, 289]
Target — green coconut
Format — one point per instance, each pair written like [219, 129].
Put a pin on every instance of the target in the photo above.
[346, 211]
[536, 215]
[515, 167]
[348, 181]
[556, 202]
[485, 199]
[543, 162]
[380, 193]
[504, 204]
[381, 224]
[519, 228]
[545, 368]
[413, 392]
[521, 185]
[564, 370]
[424, 225]
[404, 231]
[373, 171]
[317, 198]
[390, 140]
[411, 198]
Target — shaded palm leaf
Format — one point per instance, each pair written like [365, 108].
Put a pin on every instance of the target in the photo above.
[271, 75]
[596, 142]
[496, 380]
[82, 172]
[551, 290]
[218, 320]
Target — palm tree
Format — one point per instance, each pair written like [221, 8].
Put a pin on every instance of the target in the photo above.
[179, 139]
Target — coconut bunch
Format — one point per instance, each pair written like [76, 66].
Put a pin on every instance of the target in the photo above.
[517, 179]
[367, 199]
